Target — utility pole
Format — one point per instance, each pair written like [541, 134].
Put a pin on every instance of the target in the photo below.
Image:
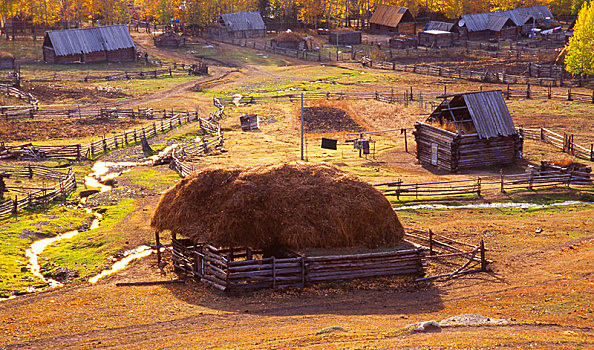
[302, 136]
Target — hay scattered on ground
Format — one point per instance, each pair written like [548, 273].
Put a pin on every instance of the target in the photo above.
[276, 207]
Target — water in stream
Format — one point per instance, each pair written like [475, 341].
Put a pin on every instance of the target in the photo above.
[489, 205]
[101, 172]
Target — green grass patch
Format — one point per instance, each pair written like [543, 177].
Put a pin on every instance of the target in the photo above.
[17, 234]
[88, 252]
[152, 178]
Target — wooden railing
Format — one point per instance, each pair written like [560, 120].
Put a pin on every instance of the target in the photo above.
[241, 268]
[101, 146]
[480, 186]
[563, 142]
[32, 196]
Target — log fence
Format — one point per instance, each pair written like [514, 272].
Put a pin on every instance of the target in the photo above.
[244, 268]
[563, 142]
[174, 70]
[96, 148]
[483, 76]
[469, 188]
[32, 196]
[12, 91]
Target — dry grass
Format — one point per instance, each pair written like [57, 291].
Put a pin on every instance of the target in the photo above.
[293, 206]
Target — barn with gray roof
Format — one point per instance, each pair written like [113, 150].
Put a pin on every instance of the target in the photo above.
[502, 24]
[468, 130]
[98, 44]
[239, 25]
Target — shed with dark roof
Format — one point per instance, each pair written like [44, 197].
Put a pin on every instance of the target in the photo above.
[238, 25]
[391, 18]
[99, 44]
[467, 131]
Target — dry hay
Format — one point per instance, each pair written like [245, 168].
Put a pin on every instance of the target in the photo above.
[288, 37]
[278, 207]
[327, 117]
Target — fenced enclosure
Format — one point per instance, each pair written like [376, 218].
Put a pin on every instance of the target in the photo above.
[477, 187]
[87, 112]
[232, 269]
[96, 148]
[481, 75]
[243, 268]
[31, 196]
[563, 142]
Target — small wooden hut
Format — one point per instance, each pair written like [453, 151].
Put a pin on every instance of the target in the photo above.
[403, 42]
[345, 37]
[436, 34]
[7, 61]
[396, 19]
[468, 130]
[169, 40]
[289, 40]
[98, 44]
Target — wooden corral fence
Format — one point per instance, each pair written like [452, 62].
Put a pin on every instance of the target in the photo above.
[174, 70]
[32, 196]
[79, 112]
[407, 97]
[99, 147]
[243, 268]
[477, 75]
[448, 253]
[439, 190]
[234, 269]
[12, 91]
[564, 142]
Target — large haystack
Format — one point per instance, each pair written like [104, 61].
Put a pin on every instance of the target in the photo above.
[289, 206]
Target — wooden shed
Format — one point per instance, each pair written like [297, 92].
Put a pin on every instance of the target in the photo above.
[481, 26]
[404, 42]
[239, 25]
[397, 19]
[99, 44]
[169, 40]
[467, 131]
[289, 40]
[345, 37]
[435, 38]
[7, 61]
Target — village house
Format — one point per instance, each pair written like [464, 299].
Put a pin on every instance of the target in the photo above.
[395, 19]
[99, 44]
[239, 25]
[468, 130]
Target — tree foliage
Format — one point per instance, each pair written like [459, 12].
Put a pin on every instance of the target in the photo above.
[202, 11]
[580, 49]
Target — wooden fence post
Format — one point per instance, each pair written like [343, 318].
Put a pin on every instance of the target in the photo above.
[430, 242]
[405, 142]
[483, 260]
[531, 179]
[501, 177]
[478, 186]
[15, 205]
[569, 98]
[528, 90]
[273, 272]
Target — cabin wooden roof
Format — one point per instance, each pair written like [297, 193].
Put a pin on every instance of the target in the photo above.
[391, 15]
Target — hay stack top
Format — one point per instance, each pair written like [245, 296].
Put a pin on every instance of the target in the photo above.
[276, 207]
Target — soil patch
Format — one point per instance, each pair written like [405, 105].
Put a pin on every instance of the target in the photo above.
[38, 130]
[57, 92]
[329, 119]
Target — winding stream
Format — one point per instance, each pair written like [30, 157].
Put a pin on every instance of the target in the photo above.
[101, 173]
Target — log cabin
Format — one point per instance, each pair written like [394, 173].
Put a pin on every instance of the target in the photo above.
[468, 130]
